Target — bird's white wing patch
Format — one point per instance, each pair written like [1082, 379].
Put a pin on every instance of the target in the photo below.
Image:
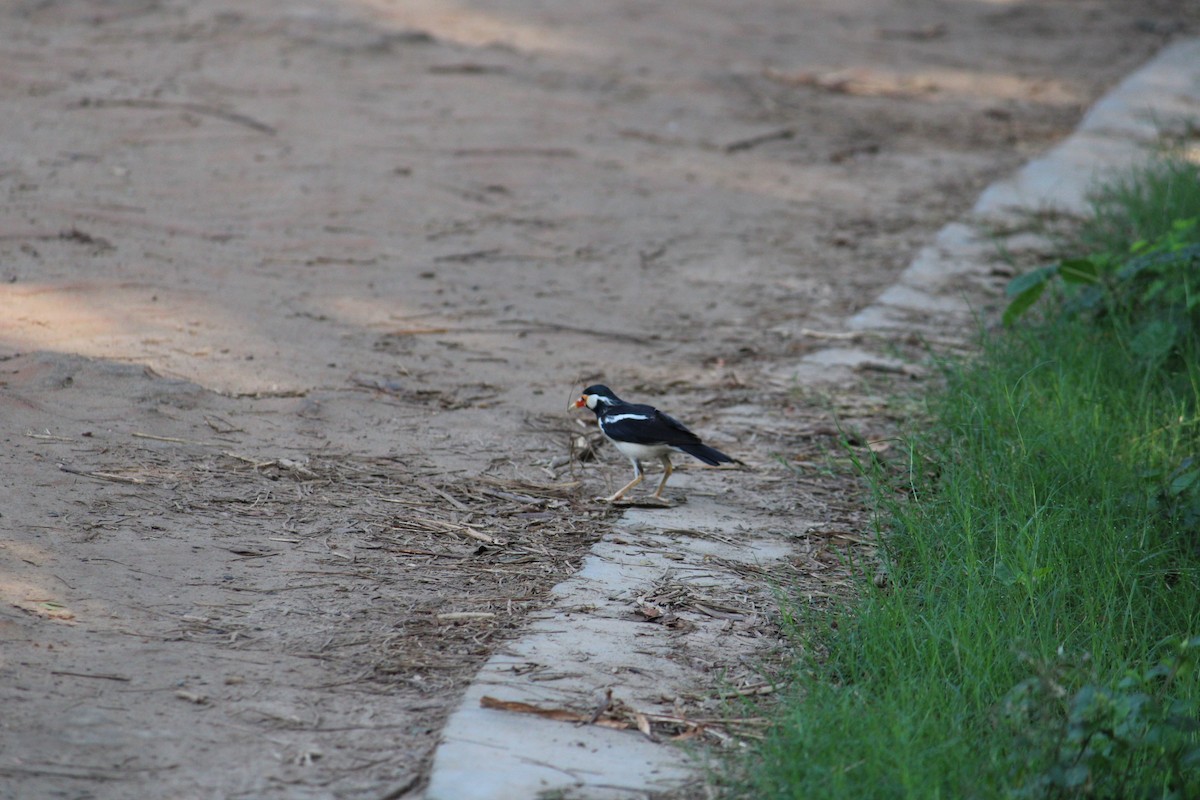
[623, 417]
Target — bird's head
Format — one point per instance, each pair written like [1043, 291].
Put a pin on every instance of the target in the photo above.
[595, 397]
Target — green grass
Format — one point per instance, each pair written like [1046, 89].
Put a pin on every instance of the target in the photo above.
[1043, 550]
[1142, 203]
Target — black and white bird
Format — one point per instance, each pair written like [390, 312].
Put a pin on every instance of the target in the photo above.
[643, 432]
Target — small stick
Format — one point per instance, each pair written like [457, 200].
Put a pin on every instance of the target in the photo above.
[104, 476]
[140, 435]
[251, 461]
[762, 138]
[474, 255]
[411, 552]
[536, 152]
[98, 676]
[461, 615]
[463, 529]
[855, 335]
[229, 426]
[483, 537]
[48, 436]
[537, 326]
[422, 331]
[848, 335]
[762, 688]
[449, 499]
[166, 105]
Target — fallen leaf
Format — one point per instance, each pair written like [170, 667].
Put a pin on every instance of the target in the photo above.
[649, 611]
[643, 725]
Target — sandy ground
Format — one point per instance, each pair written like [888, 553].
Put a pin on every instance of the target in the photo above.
[294, 296]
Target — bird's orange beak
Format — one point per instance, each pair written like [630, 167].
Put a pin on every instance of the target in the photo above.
[581, 402]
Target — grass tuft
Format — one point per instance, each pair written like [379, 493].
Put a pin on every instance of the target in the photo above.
[1141, 204]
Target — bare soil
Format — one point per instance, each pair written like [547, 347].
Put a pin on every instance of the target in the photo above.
[295, 295]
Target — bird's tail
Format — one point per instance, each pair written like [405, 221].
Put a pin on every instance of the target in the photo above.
[707, 454]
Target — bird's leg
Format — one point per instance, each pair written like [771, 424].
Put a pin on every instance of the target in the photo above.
[666, 460]
[637, 478]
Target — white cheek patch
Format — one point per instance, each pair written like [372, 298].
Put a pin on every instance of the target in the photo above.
[623, 417]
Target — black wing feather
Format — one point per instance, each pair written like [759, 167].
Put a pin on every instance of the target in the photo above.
[709, 455]
[657, 428]
[647, 425]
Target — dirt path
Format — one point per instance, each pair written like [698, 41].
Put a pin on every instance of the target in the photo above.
[294, 296]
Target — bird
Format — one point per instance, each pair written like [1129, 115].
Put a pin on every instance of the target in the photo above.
[642, 432]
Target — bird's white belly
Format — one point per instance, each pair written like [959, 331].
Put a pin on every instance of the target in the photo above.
[642, 452]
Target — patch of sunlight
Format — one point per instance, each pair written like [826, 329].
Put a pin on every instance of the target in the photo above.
[34, 599]
[456, 22]
[931, 83]
[180, 333]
